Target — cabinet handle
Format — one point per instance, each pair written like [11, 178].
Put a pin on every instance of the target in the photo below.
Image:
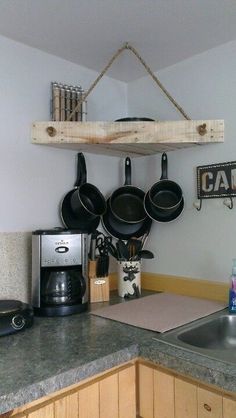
[207, 407]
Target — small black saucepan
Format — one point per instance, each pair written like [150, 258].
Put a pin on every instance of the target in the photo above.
[88, 202]
[126, 202]
[164, 202]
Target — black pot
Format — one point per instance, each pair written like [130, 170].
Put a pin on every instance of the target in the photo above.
[124, 230]
[82, 207]
[164, 201]
[87, 202]
[163, 217]
[126, 203]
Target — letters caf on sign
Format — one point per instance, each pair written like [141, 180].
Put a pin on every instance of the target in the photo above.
[216, 180]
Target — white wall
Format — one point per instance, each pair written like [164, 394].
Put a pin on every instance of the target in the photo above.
[35, 178]
[198, 244]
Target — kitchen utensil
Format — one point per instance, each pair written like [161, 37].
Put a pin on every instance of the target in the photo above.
[145, 254]
[129, 272]
[123, 230]
[87, 221]
[123, 250]
[92, 251]
[165, 195]
[87, 202]
[155, 215]
[134, 246]
[126, 203]
[112, 250]
[164, 201]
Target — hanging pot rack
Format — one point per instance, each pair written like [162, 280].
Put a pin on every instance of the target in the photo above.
[135, 138]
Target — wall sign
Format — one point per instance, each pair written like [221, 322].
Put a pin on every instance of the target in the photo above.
[216, 180]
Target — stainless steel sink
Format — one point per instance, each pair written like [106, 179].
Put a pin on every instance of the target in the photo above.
[219, 333]
[213, 336]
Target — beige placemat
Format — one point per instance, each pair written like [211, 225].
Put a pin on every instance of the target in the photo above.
[160, 312]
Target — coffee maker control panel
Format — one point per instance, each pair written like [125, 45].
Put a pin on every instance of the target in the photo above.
[61, 250]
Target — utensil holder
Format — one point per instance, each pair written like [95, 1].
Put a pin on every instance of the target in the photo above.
[129, 279]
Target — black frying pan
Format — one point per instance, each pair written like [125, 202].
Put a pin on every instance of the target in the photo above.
[126, 202]
[87, 222]
[123, 230]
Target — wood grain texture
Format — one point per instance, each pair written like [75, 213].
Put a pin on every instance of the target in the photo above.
[99, 289]
[89, 401]
[134, 138]
[185, 399]
[229, 408]
[127, 393]
[45, 412]
[108, 394]
[205, 289]
[146, 395]
[164, 397]
[209, 404]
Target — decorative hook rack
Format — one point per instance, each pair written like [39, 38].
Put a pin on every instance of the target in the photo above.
[216, 181]
[228, 202]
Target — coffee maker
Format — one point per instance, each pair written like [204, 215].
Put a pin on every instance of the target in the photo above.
[59, 272]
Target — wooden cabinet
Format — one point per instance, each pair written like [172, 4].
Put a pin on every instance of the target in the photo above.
[162, 394]
[185, 399]
[137, 389]
[111, 395]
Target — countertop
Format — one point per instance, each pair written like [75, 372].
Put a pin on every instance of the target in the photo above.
[58, 352]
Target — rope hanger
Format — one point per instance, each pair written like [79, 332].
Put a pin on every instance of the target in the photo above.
[129, 47]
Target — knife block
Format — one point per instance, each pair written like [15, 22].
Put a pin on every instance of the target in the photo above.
[99, 287]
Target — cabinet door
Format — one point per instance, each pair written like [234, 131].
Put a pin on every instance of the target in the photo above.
[164, 397]
[108, 394]
[89, 401]
[185, 399]
[146, 396]
[44, 412]
[67, 407]
[229, 408]
[209, 404]
[127, 393]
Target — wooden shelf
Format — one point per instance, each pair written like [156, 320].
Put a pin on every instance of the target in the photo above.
[132, 138]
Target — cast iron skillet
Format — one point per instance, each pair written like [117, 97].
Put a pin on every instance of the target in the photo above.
[126, 202]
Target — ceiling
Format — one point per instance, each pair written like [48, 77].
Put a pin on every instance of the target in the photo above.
[88, 32]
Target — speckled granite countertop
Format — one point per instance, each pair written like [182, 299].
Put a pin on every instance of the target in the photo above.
[58, 352]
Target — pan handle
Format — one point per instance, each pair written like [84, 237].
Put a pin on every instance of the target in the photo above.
[81, 170]
[127, 172]
[164, 175]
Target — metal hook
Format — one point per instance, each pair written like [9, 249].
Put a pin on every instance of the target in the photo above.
[229, 202]
[198, 204]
